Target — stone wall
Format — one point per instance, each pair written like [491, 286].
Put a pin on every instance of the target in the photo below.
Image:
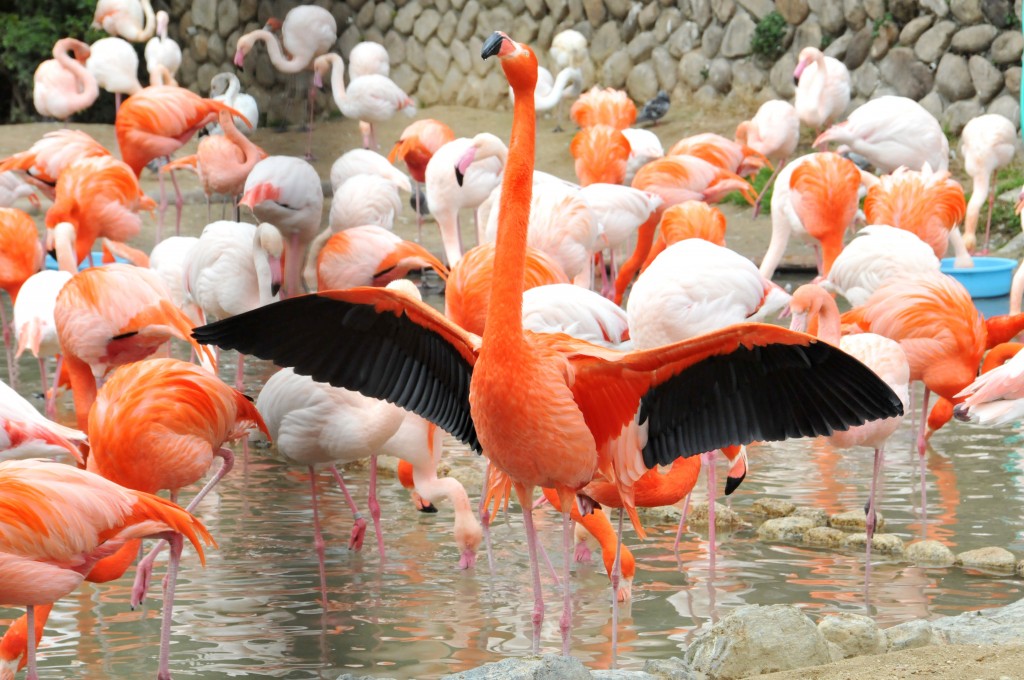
[958, 57]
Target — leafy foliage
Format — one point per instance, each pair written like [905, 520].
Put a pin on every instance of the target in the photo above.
[27, 35]
[769, 36]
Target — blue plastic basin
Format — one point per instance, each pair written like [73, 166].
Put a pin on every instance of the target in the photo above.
[990, 276]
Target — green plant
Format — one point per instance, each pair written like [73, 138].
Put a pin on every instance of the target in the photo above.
[826, 40]
[877, 24]
[769, 35]
[760, 184]
[27, 35]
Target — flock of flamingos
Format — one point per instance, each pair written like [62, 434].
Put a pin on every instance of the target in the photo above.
[555, 383]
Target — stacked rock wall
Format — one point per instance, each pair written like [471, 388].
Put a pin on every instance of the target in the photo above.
[959, 58]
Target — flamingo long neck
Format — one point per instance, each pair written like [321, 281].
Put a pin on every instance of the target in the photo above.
[505, 310]
[87, 89]
[234, 87]
[252, 154]
[558, 89]
[281, 61]
[149, 23]
[825, 312]
[338, 79]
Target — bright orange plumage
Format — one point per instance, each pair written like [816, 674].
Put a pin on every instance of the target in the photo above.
[690, 219]
[721, 152]
[824, 196]
[418, 143]
[44, 161]
[926, 203]
[606, 106]
[601, 154]
[21, 254]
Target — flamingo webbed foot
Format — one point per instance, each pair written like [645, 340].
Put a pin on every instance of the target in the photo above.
[583, 553]
[355, 541]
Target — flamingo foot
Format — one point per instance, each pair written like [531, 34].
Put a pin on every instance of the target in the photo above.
[355, 541]
[143, 575]
[467, 560]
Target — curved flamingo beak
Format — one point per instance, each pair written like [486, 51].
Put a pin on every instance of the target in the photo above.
[464, 163]
[318, 80]
[239, 59]
[737, 473]
[799, 69]
[259, 193]
[275, 275]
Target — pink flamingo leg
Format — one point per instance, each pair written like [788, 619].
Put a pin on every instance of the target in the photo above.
[240, 372]
[355, 541]
[709, 458]
[144, 572]
[311, 104]
[375, 507]
[525, 501]
[485, 518]
[170, 582]
[565, 623]
[318, 537]
[51, 395]
[12, 365]
[31, 673]
[922, 447]
[870, 520]
[682, 523]
[178, 202]
[161, 208]
[616, 578]
[988, 220]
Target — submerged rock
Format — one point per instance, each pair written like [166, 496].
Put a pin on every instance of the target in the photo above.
[824, 536]
[773, 507]
[816, 515]
[992, 559]
[785, 529]
[930, 553]
[853, 634]
[725, 517]
[758, 639]
[882, 544]
[855, 520]
[546, 667]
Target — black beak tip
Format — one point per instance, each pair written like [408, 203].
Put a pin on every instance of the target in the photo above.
[275, 288]
[428, 508]
[459, 176]
[492, 45]
[733, 483]
[53, 251]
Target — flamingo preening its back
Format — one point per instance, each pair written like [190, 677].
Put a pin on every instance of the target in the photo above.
[548, 410]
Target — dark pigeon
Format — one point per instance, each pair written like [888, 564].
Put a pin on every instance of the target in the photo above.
[655, 109]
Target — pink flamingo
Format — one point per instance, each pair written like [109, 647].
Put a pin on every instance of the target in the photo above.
[823, 88]
[115, 65]
[129, 19]
[43, 162]
[24, 433]
[370, 256]
[989, 143]
[63, 86]
[773, 131]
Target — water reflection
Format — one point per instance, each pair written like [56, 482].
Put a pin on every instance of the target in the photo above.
[254, 611]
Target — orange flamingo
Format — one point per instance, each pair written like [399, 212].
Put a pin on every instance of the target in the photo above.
[601, 153]
[110, 315]
[57, 521]
[21, 256]
[416, 146]
[606, 106]
[157, 121]
[811, 305]
[676, 179]
[62, 86]
[929, 204]
[43, 162]
[689, 219]
[100, 197]
[158, 424]
[722, 152]
[370, 256]
[222, 161]
[549, 410]
[815, 196]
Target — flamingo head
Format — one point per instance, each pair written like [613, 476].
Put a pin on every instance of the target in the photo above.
[265, 191]
[517, 60]
[463, 164]
[807, 55]
[273, 25]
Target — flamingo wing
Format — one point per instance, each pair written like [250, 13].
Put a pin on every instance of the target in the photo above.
[736, 385]
[394, 348]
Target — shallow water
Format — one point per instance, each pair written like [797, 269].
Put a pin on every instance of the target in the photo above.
[254, 611]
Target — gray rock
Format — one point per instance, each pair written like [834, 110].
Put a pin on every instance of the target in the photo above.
[781, 76]
[524, 25]
[595, 11]
[641, 46]
[933, 104]
[906, 74]
[837, 48]
[467, 20]
[684, 39]
[206, 72]
[881, 544]
[461, 57]
[536, 7]
[759, 8]
[616, 69]
[755, 639]
[725, 517]
[415, 55]
[738, 34]
[642, 82]
[606, 41]
[720, 78]
[989, 559]
[830, 15]
[618, 8]
[816, 515]
[429, 91]
[227, 17]
[934, 42]
[723, 10]
[956, 115]
[773, 507]
[449, 23]
[952, 78]
[364, 17]
[807, 34]
[915, 28]
[622, 675]
[1012, 80]
[910, 635]
[648, 15]
[665, 68]
[887, 36]
[672, 668]
[1007, 48]
[966, 11]
[784, 529]
[1000, 625]
[999, 13]
[875, 9]
[439, 58]
[215, 50]
[747, 77]
[1009, 106]
[546, 667]
[426, 24]
[793, 11]
[665, 514]
[204, 14]
[824, 536]
[903, 10]
[668, 21]
[693, 72]
[700, 11]
[855, 635]
[200, 47]
[987, 79]
[974, 39]
[454, 82]
[939, 8]
[711, 40]
[858, 48]
[856, 16]
[931, 553]
[382, 16]
[855, 520]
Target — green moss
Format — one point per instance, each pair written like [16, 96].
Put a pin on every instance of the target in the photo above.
[769, 36]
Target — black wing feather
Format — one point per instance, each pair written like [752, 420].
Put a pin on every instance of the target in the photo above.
[762, 393]
[382, 355]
